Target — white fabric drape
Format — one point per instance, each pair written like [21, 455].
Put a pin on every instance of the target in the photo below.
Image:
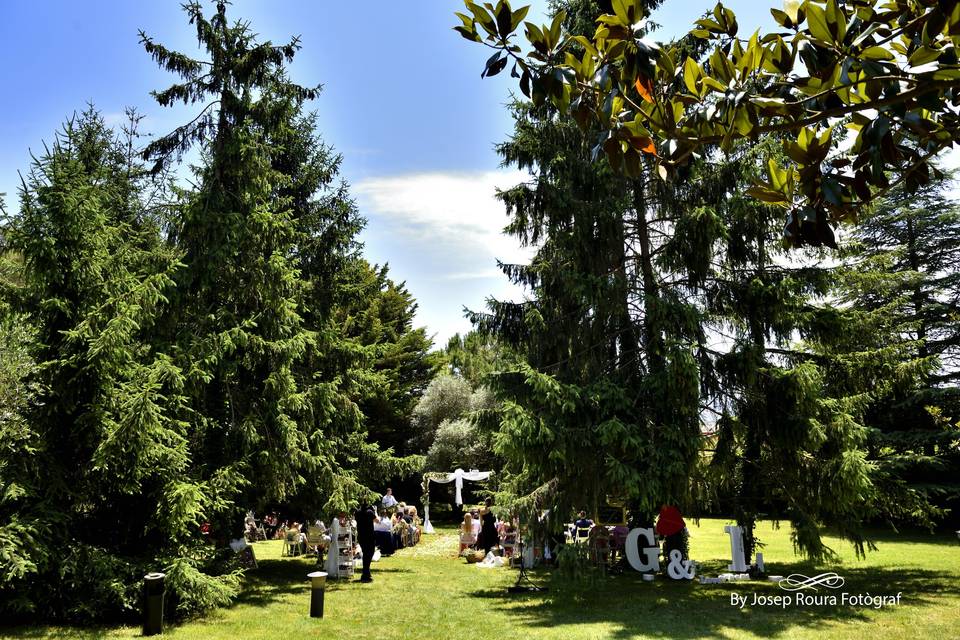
[458, 476]
[333, 551]
[427, 527]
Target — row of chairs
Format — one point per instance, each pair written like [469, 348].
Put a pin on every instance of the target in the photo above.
[603, 544]
[316, 542]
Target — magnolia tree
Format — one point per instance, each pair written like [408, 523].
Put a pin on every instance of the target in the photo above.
[886, 69]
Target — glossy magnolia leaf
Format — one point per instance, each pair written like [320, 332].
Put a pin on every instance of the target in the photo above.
[892, 79]
[468, 34]
[766, 193]
[924, 55]
[817, 20]
[643, 145]
[495, 64]
[644, 87]
[518, 17]
[782, 18]
[691, 73]
[504, 18]
[877, 53]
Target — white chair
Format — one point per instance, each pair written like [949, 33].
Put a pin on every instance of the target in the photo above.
[291, 543]
[316, 541]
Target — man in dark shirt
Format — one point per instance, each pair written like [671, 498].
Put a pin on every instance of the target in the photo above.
[582, 526]
[365, 517]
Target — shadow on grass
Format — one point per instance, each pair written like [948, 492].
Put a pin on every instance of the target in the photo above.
[374, 570]
[684, 610]
[86, 633]
[913, 535]
[272, 580]
[276, 579]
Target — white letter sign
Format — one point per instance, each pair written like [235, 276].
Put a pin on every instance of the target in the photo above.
[651, 552]
[736, 549]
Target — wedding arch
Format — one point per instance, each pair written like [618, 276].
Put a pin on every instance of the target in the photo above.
[457, 477]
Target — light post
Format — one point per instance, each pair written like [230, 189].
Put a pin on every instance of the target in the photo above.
[318, 581]
[153, 603]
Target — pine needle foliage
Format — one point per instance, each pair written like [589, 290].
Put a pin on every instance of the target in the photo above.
[189, 352]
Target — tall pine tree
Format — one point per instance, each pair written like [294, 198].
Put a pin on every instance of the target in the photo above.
[109, 457]
[901, 289]
[268, 237]
[609, 385]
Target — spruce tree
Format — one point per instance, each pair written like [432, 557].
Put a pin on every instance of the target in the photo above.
[900, 287]
[400, 364]
[609, 384]
[19, 479]
[787, 444]
[236, 322]
[109, 458]
[267, 237]
[635, 281]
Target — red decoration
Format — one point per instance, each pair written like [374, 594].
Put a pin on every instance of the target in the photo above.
[670, 521]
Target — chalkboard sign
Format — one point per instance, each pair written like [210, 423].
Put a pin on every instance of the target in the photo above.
[611, 515]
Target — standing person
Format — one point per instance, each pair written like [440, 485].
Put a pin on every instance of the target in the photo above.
[488, 527]
[389, 502]
[365, 517]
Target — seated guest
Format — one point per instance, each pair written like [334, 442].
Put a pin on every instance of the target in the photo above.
[508, 537]
[618, 538]
[582, 526]
[414, 521]
[270, 525]
[468, 536]
[583, 522]
[295, 534]
[302, 528]
[399, 530]
[291, 541]
[383, 534]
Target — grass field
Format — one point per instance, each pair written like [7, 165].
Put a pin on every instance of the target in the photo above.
[426, 593]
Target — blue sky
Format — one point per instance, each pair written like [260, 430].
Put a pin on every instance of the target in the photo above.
[403, 102]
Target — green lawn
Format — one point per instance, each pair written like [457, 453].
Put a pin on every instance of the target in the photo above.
[426, 592]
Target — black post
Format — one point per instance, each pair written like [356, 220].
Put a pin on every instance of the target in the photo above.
[153, 603]
[318, 580]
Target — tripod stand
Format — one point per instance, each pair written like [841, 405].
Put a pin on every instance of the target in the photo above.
[524, 584]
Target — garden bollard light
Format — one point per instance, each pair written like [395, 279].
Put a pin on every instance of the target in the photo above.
[318, 580]
[153, 603]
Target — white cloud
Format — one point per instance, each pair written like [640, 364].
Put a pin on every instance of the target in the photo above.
[482, 274]
[454, 212]
[442, 232]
